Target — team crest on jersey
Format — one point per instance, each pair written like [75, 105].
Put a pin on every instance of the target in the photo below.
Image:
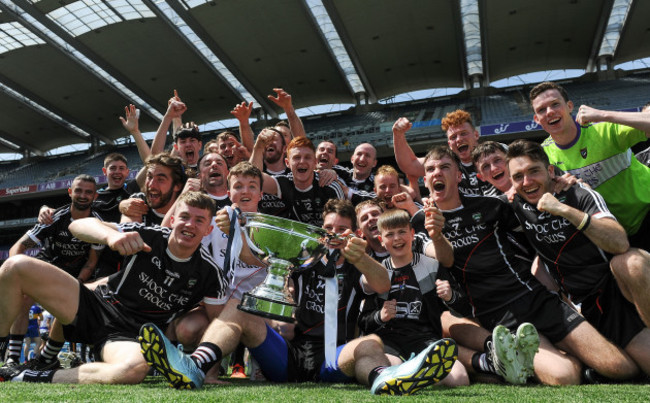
[415, 307]
[477, 217]
[562, 199]
[191, 283]
[583, 152]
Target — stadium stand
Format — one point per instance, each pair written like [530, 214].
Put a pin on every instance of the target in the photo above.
[366, 123]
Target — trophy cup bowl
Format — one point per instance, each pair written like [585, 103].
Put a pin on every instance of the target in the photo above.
[285, 246]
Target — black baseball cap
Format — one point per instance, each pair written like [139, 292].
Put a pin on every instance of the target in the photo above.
[187, 130]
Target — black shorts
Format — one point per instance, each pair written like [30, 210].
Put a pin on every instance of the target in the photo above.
[305, 360]
[98, 321]
[612, 314]
[403, 346]
[641, 239]
[551, 316]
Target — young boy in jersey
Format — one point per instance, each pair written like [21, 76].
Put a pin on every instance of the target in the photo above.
[407, 317]
[166, 273]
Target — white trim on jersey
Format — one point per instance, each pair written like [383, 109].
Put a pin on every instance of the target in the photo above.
[220, 198]
[132, 225]
[298, 289]
[600, 203]
[127, 269]
[205, 253]
[351, 300]
[38, 228]
[176, 258]
[310, 187]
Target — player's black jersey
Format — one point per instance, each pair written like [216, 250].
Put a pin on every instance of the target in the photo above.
[576, 263]
[523, 248]
[420, 242]
[286, 171]
[58, 246]
[310, 293]
[378, 256]
[307, 205]
[273, 205]
[221, 201]
[418, 306]
[347, 174]
[108, 201]
[472, 185]
[157, 286]
[485, 262]
[152, 217]
[358, 196]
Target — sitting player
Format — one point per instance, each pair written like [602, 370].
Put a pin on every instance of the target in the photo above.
[407, 317]
[303, 358]
[167, 273]
[576, 237]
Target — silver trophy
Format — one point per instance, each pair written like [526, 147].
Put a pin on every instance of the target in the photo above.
[285, 246]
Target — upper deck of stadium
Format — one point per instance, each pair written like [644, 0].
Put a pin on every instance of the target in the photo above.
[69, 67]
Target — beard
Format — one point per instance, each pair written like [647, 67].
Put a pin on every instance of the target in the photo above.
[165, 198]
[273, 158]
[81, 206]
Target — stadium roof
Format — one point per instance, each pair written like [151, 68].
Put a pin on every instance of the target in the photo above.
[68, 68]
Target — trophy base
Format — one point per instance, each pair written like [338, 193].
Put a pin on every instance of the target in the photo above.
[267, 308]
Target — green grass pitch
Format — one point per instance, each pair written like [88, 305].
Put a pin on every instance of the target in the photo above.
[156, 390]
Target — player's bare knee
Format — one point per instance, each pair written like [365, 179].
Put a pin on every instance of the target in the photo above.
[11, 265]
[568, 377]
[12, 268]
[189, 332]
[566, 373]
[368, 346]
[248, 324]
[632, 267]
[618, 368]
[130, 373]
[457, 377]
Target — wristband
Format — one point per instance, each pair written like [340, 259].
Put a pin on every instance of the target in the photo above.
[378, 318]
[584, 223]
